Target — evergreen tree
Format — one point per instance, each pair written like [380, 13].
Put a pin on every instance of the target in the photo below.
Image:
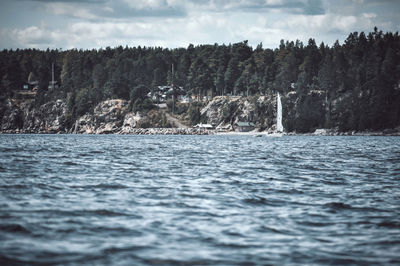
[231, 75]
[352, 86]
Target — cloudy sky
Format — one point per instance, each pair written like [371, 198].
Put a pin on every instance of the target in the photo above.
[90, 24]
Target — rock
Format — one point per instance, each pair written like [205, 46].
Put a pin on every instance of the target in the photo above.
[321, 132]
[24, 117]
[107, 118]
[108, 128]
[84, 124]
[225, 111]
[130, 122]
[111, 110]
[328, 132]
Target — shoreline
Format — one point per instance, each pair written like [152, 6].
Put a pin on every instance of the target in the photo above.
[196, 131]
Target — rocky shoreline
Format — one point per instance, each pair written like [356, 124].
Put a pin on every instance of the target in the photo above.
[167, 131]
[132, 131]
[115, 117]
[196, 131]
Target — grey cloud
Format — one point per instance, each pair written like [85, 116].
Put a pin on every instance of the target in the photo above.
[385, 12]
[314, 7]
[117, 21]
[308, 7]
[358, 7]
[40, 41]
[67, 1]
[181, 9]
[121, 10]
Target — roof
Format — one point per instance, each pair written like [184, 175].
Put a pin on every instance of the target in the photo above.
[245, 124]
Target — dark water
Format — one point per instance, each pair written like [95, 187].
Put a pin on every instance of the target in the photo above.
[190, 200]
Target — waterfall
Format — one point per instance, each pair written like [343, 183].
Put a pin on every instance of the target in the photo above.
[279, 126]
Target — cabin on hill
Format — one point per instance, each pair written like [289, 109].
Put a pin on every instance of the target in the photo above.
[30, 85]
[244, 126]
[28, 90]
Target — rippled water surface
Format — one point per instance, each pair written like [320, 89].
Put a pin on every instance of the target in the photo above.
[209, 200]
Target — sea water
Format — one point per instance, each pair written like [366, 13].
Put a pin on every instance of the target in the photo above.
[190, 200]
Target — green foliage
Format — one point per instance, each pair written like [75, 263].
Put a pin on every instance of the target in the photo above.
[179, 108]
[142, 105]
[220, 82]
[82, 102]
[359, 79]
[138, 97]
[231, 75]
[138, 93]
[155, 119]
[5, 86]
[145, 123]
[170, 103]
[194, 113]
[200, 77]
[309, 113]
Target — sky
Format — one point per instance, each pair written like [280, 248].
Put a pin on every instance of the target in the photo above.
[88, 24]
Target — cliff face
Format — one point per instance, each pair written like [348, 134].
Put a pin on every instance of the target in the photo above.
[107, 118]
[114, 116]
[225, 112]
[23, 117]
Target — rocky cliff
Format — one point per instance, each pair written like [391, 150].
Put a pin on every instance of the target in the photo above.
[23, 117]
[115, 116]
[108, 117]
[225, 112]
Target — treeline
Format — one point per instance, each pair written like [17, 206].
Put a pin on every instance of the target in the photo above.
[352, 86]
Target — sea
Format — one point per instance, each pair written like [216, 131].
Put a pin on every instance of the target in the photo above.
[199, 200]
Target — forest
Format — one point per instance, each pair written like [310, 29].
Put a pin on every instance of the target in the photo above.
[357, 82]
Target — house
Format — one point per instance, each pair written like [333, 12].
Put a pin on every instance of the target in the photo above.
[30, 85]
[183, 98]
[157, 96]
[244, 126]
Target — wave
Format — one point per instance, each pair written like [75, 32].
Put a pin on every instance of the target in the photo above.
[104, 212]
[102, 186]
[338, 206]
[265, 201]
[69, 163]
[14, 228]
[390, 224]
